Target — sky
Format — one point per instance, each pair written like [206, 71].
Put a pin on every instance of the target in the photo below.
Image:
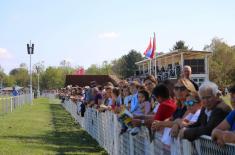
[87, 32]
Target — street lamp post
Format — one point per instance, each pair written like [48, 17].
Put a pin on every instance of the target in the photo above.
[38, 72]
[30, 49]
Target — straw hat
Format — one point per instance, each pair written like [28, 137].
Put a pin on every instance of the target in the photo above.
[188, 84]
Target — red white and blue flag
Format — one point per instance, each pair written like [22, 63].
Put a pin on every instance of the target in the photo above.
[150, 51]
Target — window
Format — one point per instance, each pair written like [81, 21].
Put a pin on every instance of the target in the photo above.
[197, 65]
[199, 80]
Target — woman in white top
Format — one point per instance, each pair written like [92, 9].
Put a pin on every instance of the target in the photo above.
[194, 105]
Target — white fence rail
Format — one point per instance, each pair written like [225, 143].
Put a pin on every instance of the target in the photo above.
[49, 95]
[104, 127]
[9, 104]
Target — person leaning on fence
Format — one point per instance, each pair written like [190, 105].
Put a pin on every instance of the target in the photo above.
[181, 90]
[167, 106]
[121, 85]
[97, 98]
[134, 86]
[90, 96]
[107, 98]
[194, 105]
[134, 104]
[150, 83]
[213, 112]
[144, 108]
[115, 107]
[127, 97]
[225, 131]
[74, 96]
[14, 92]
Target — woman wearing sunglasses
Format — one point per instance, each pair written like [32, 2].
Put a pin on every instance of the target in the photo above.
[182, 89]
[193, 105]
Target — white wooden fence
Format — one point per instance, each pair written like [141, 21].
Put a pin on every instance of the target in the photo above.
[104, 127]
[8, 104]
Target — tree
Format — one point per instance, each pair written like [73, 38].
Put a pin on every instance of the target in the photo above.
[52, 78]
[9, 81]
[116, 67]
[39, 67]
[104, 69]
[20, 76]
[66, 67]
[2, 76]
[24, 65]
[126, 66]
[221, 63]
[93, 70]
[180, 45]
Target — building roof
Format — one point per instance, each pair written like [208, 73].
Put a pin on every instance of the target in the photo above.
[84, 80]
[174, 53]
[10, 88]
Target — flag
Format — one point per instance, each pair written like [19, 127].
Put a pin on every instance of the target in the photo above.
[154, 47]
[79, 71]
[148, 51]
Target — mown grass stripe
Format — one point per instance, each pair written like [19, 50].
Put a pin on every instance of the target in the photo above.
[44, 128]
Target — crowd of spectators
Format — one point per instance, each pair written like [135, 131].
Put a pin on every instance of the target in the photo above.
[180, 110]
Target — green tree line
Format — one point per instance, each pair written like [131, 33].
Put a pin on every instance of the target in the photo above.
[221, 66]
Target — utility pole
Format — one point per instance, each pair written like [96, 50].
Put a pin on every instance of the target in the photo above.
[30, 49]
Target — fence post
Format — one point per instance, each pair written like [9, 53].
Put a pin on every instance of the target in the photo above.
[116, 141]
[6, 102]
[2, 102]
[17, 104]
[11, 103]
[6, 107]
[131, 144]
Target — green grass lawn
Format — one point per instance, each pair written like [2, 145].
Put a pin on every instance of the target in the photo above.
[44, 128]
[227, 99]
[4, 107]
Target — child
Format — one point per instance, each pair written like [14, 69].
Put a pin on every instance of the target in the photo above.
[144, 108]
[127, 97]
[115, 107]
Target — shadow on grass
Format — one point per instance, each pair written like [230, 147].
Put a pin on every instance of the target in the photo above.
[66, 138]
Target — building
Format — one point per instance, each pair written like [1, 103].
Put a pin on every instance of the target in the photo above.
[169, 65]
[84, 80]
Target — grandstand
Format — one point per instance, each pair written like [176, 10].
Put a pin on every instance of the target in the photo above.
[169, 65]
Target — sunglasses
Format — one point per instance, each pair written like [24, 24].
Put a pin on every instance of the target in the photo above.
[190, 102]
[180, 88]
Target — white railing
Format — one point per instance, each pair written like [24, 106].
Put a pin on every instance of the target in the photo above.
[104, 127]
[49, 95]
[8, 104]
